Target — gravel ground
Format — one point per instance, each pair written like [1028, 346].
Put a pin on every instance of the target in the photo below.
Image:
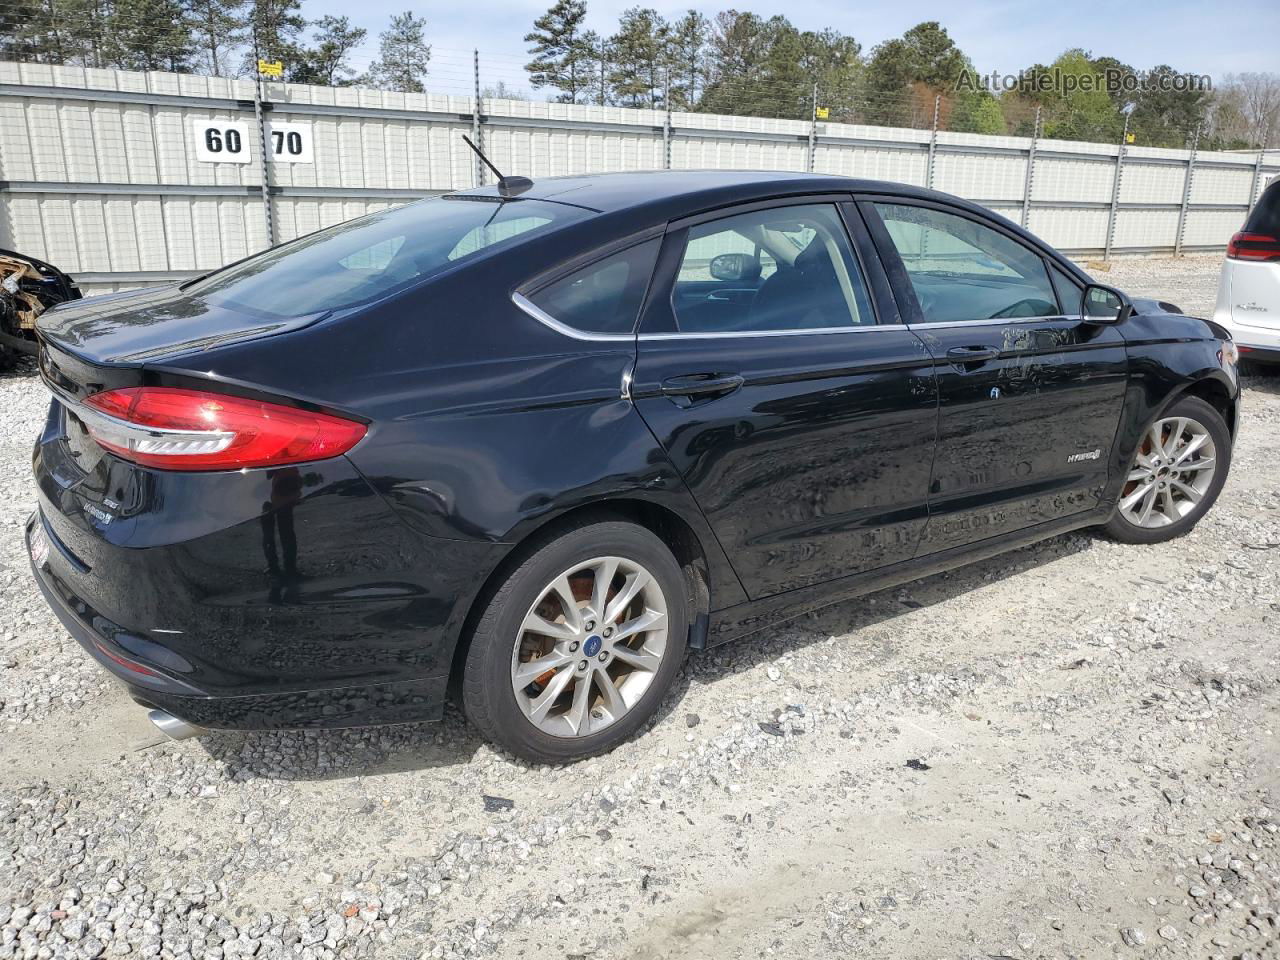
[1067, 751]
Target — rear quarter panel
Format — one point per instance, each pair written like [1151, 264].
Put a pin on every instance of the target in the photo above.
[484, 423]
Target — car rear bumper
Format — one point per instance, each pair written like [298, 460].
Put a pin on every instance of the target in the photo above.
[1259, 354]
[1257, 337]
[251, 599]
[134, 660]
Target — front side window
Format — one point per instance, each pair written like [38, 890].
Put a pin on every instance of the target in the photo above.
[961, 270]
[779, 269]
[1068, 288]
[364, 260]
[602, 297]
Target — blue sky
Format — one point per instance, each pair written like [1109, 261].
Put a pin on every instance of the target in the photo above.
[1005, 35]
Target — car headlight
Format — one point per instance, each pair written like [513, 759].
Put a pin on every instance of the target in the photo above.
[1229, 355]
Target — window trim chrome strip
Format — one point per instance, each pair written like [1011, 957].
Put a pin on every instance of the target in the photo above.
[533, 310]
[803, 332]
[526, 305]
[994, 322]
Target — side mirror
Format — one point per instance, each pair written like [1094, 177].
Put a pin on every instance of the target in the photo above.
[1102, 304]
[735, 267]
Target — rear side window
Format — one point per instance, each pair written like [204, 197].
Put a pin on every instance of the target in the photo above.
[771, 270]
[364, 260]
[1264, 218]
[602, 297]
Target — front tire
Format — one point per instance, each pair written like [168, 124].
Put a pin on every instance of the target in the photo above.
[576, 648]
[1176, 475]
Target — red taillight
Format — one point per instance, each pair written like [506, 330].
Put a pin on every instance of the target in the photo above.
[177, 429]
[127, 664]
[1253, 246]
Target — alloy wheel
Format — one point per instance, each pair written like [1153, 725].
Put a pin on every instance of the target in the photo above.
[589, 647]
[1171, 473]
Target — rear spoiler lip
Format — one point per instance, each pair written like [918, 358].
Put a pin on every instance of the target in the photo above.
[138, 374]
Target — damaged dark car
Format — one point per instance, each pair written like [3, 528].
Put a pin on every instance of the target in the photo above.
[28, 287]
[527, 447]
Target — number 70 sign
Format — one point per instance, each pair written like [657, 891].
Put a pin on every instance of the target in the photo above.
[289, 142]
[229, 141]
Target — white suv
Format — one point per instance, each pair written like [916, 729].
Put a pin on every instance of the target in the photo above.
[1249, 291]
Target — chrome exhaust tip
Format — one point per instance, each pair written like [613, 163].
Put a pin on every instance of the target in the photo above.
[172, 727]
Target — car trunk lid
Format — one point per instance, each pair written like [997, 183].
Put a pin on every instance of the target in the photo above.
[132, 328]
[116, 342]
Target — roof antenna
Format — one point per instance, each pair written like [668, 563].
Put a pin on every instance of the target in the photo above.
[507, 186]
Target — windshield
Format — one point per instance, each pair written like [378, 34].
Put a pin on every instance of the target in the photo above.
[363, 260]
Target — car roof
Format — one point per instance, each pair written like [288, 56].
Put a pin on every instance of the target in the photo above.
[628, 202]
[668, 194]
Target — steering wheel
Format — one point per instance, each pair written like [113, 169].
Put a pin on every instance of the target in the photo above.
[1037, 308]
[927, 301]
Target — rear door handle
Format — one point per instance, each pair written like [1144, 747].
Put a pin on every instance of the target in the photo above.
[972, 354]
[701, 385]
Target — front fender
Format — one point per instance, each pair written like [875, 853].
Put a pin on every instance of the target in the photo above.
[1169, 356]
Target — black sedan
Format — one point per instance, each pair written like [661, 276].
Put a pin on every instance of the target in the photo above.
[530, 444]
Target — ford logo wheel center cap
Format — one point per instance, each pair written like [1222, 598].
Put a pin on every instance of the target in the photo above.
[592, 646]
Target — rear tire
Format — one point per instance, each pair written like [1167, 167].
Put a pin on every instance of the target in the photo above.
[1167, 491]
[554, 680]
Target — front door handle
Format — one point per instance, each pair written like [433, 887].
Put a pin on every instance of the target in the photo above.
[959, 355]
[701, 385]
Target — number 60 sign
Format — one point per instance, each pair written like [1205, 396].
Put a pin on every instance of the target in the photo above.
[229, 141]
[221, 141]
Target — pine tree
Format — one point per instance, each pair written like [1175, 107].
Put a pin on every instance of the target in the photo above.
[1166, 115]
[19, 30]
[41, 32]
[597, 55]
[326, 62]
[787, 90]
[88, 29]
[639, 57]
[936, 61]
[404, 54]
[561, 59]
[833, 61]
[275, 27]
[687, 53]
[219, 29]
[737, 50]
[152, 35]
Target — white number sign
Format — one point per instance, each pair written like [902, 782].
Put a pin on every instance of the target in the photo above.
[221, 141]
[289, 142]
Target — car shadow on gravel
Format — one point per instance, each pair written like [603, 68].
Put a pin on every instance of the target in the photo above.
[373, 751]
[863, 613]
[19, 368]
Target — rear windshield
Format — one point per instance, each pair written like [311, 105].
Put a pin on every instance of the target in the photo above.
[1265, 217]
[363, 260]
